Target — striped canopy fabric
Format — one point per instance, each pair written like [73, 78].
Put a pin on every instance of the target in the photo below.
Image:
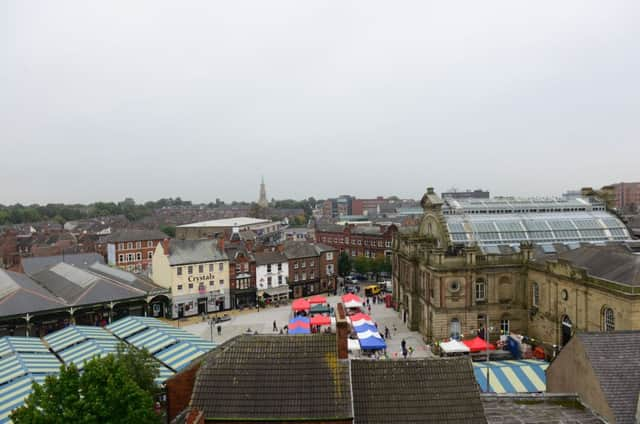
[82, 352]
[179, 355]
[74, 334]
[152, 339]
[128, 326]
[24, 360]
[523, 376]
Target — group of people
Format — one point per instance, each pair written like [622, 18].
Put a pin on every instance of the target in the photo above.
[406, 351]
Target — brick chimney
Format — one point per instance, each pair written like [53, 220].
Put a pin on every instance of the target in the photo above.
[165, 246]
[342, 332]
[221, 243]
[280, 247]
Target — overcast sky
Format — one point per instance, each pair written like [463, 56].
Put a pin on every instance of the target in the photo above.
[149, 99]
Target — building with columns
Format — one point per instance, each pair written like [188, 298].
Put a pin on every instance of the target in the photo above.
[545, 268]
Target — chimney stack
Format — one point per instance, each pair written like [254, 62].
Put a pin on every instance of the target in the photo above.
[165, 246]
[342, 332]
[221, 243]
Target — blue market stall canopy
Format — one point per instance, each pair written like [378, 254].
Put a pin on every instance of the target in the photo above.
[523, 376]
[11, 345]
[366, 327]
[82, 352]
[299, 330]
[372, 343]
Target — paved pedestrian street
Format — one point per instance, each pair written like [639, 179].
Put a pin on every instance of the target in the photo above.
[243, 322]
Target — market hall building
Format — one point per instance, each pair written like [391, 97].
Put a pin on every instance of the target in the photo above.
[524, 266]
[197, 274]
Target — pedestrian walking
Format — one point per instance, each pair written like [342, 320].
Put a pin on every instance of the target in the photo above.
[275, 326]
[386, 332]
[219, 330]
[404, 353]
[369, 309]
[403, 344]
[395, 330]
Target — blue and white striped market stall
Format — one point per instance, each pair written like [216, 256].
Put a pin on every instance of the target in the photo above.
[522, 376]
[23, 360]
[78, 344]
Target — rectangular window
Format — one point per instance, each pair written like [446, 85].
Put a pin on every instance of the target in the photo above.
[279, 279]
[480, 290]
[311, 275]
[190, 286]
[359, 242]
[221, 282]
[179, 270]
[210, 267]
[279, 267]
[150, 243]
[180, 287]
[295, 265]
[149, 255]
[504, 326]
[304, 264]
[220, 266]
[120, 258]
[138, 245]
[268, 281]
[130, 245]
[190, 269]
[268, 267]
[120, 246]
[200, 269]
[212, 283]
[304, 276]
[295, 277]
[330, 256]
[139, 256]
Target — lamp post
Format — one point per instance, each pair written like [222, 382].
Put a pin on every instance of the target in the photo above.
[487, 341]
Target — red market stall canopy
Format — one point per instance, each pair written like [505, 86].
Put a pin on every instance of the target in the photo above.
[478, 345]
[300, 305]
[320, 320]
[359, 317]
[351, 298]
[317, 299]
[299, 322]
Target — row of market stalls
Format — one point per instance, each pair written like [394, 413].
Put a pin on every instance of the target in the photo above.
[310, 315]
[24, 360]
[501, 376]
[369, 338]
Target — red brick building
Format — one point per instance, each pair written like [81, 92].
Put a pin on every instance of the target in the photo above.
[242, 275]
[368, 241]
[627, 196]
[132, 250]
[312, 267]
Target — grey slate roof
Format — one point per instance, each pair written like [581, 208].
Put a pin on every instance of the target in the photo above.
[299, 249]
[80, 287]
[19, 295]
[81, 260]
[127, 278]
[367, 230]
[135, 235]
[615, 360]
[182, 252]
[613, 262]
[264, 258]
[329, 227]
[321, 248]
[535, 408]
[416, 391]
[281, 377]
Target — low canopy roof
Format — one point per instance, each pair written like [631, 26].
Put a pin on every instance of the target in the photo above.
[454, 346]
[300, 305]
[477, 344]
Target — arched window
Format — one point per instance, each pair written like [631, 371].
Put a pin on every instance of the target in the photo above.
[455, 328]
[535, 294]
[608, 319]
[481, 289]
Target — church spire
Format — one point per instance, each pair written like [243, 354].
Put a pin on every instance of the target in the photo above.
[262, 201]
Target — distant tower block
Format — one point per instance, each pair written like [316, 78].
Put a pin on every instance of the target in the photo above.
[262, 202]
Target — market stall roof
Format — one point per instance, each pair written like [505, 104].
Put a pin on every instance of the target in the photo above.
[74, 334]
[454, 346]
[317, 299]
[478, 344]
[275, 291]
[300, 305]
[368, 333]
[320, 309]
[365, 327]
[522, 376]
[349, 297]
[352, 304]
[360, 317]
[372, 343]
[299, 330]
[299, 322]
[320, 320]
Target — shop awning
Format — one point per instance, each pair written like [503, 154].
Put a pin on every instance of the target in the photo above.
[317, 299]
[523, 376]
[300, 305]
[320, 320]
[477, 344]
[276, 291]
[454, 346]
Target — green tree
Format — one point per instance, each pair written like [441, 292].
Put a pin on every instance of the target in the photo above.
[103, 393]
[344, 264]
[362, 265]
[169, 230]
[140, 366]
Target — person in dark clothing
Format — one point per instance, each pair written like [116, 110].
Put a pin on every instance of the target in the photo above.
[386, 332]
[219, 330]
[275, 326]
[404, 352]
[403, 345]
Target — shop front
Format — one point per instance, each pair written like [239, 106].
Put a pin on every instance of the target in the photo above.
[199, 303]
[275, 294]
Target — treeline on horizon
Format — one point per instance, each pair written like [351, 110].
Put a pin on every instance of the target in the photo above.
[61, 213]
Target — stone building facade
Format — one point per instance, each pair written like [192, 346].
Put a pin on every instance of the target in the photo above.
[523, 267]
